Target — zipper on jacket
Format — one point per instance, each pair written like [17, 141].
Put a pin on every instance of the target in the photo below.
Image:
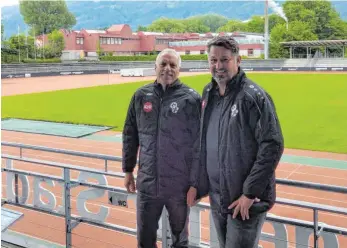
[158, 140]
[221, 171]
[221, 174]
[202, 123]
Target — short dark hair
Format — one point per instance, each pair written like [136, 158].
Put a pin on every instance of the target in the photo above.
[224, 41]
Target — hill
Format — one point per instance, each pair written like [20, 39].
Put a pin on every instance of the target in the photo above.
[101, 14]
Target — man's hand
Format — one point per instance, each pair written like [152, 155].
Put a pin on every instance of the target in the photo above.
[191, 196]
[242, 205]
[129, 182]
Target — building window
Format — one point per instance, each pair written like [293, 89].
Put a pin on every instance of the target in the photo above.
[79, 41]
[161, 41]
[187, 52]
[250, 52]
[110, 40]
[202, 51]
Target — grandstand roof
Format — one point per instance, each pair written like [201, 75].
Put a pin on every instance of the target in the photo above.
[314, 43]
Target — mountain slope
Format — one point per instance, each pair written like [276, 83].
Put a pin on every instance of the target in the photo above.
[101, 14]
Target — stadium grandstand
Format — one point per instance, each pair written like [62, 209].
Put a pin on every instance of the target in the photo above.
[316, 48]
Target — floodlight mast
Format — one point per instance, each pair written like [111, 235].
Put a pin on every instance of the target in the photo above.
[266, 29]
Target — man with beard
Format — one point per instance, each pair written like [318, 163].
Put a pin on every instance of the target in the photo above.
[242, 144]
[163, 124]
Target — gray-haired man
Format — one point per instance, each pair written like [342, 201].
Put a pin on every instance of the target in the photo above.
[242, 144]
[163, 124]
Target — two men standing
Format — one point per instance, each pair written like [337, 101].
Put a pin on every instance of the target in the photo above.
[229, 142]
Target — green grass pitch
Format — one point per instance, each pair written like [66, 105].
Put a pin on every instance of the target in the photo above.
[312, 108]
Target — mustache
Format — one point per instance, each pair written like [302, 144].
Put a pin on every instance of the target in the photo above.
[220, 70]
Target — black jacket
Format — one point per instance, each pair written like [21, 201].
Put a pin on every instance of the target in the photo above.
[250, 142]
[164, 125]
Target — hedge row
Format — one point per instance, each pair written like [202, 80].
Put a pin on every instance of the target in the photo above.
[53, 60]
[153, 57]
[150, 57]
[14, 59]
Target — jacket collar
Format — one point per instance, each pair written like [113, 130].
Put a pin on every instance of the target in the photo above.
[232, 84]
[177, 83]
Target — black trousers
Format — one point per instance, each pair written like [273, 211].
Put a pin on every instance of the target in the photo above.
[148, 213]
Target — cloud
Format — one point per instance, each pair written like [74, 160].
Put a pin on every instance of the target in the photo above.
[8, 2]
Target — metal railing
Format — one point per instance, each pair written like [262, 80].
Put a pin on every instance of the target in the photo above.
[320, 230]
[103, 157]
[30, 70]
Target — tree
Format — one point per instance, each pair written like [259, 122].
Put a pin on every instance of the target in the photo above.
[320, 16]
[166, 25]
[297, 31]
[335, 30]
[46, 16]
[195, 26]
[141, 28]
[2, 31]
[278, 34]
[232, 26]
[56, 43]
[211, 21]
[255, 24]
[308, 20]
[99, 50]
[274, 20]
[22, 44]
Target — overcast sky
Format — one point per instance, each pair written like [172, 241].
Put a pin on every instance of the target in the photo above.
[8, 2]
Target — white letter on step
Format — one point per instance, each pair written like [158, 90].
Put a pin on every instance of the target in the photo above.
[40, 191]
[91, 194]
[10, 192]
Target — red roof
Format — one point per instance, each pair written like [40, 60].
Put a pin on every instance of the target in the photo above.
[116, 28]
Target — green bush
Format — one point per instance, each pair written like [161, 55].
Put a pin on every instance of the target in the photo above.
[9, 56]
[53, 60]
[150, 57]
[153, 57]
[129, 58]
[194, 57]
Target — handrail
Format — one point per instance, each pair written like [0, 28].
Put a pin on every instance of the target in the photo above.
[62, 166]
[202, 206]
[63, 151]
[72, 221]
[287, 182]
[282, 201]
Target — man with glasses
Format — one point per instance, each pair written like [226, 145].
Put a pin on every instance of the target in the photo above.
[241, 146]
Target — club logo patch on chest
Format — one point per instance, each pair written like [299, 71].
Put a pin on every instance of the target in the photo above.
[174, 107]
[203, 104]
[234, 111]
[147, 107]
